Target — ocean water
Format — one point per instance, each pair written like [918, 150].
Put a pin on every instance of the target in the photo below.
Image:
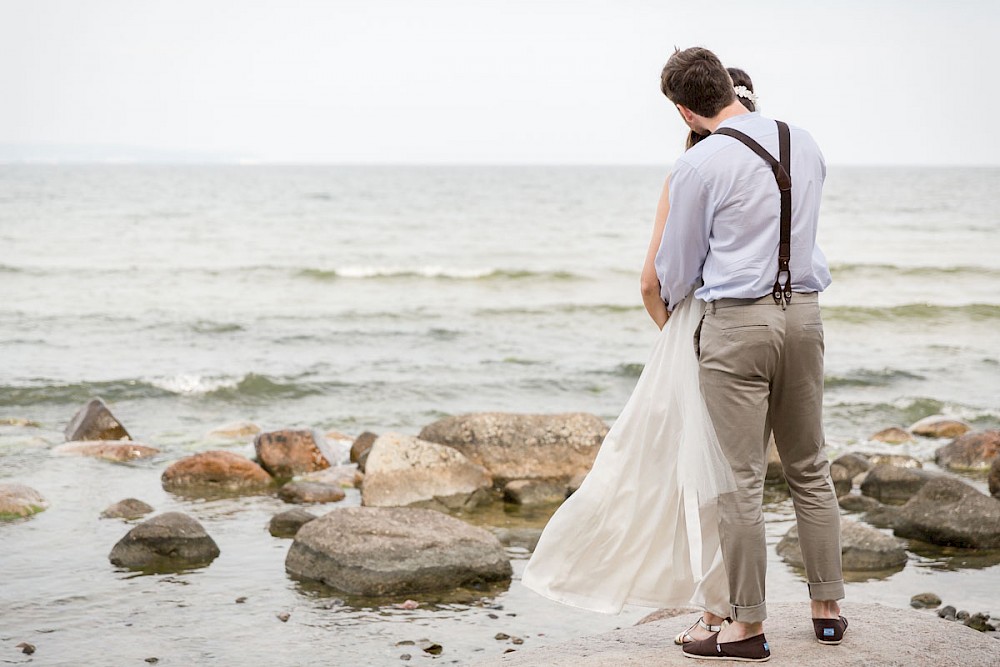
[383, 298]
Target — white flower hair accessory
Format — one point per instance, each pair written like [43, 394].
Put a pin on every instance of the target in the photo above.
[746, 93]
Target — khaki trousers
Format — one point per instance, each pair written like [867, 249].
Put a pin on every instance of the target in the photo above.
[761, 368]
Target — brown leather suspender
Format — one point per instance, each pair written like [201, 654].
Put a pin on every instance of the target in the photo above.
[782, 174]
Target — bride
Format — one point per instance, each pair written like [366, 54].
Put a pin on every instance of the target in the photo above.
[643, 527]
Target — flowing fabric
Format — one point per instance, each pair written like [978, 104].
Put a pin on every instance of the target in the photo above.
[642, 528]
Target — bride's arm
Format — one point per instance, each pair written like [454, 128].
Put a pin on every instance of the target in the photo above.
[650, 282]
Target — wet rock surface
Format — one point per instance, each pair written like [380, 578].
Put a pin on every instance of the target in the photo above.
[893, 484]
[287, 453]
[130, 508]
[215, 472]
[109, 450]
[892, 436]
[166, 543]
[403, 470]
[863, 548]
[523, 446]
[375, 551]
[950, 512]
[287, 523]
[94, 421]
[972, 451]
[310, 492]
[534, 492]
[940, 426]
[18, 501]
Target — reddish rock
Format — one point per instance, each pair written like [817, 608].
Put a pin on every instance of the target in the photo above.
[972, 451]
[939, 426]
[94, 421]
[892, 435]
[287, 453]
[110, 450]
[215, 472]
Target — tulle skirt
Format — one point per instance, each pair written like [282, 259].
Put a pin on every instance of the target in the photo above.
[643, 527]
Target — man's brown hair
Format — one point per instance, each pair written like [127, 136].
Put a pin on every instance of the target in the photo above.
[696, 79]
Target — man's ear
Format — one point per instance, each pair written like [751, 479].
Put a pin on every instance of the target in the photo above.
[686, 114]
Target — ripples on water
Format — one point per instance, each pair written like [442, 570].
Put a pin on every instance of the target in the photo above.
[384, 298]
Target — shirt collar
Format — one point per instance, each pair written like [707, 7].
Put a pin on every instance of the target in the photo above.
[740, 119]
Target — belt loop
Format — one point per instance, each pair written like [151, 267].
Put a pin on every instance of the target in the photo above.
[712, 305]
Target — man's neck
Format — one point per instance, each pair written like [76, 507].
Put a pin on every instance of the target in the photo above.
[734, 109]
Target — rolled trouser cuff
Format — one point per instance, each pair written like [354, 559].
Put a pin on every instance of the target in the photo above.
[827, 590]
[754, 614]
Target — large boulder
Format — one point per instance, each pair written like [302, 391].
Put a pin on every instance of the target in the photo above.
[994, 478]
[523, 446]
[287, 453]
[863, 548]
[109, 450]
[310, 492]
[892, 484]
[972, 451]
[949, 512]
[215, 472]
[940, 426]
[404, 470]
[130, 508]
[166, 543]
[374, 551]
[94, 421]
[18, 501]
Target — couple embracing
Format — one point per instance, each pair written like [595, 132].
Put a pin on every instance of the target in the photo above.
[671, 512]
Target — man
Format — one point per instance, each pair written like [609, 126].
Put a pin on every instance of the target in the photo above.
[760, 344]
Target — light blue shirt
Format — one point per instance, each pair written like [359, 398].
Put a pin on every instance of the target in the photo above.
[723, 225]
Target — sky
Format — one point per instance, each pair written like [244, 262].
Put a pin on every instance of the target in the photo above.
[500, 81]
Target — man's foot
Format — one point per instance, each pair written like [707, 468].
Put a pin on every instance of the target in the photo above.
[703, 628]
[751, 649]
[828, 624]
[737, 631]
[825, 609]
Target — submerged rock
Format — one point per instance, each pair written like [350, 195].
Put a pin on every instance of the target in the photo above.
[925, 601]
[166, 543]
[310, 492]
[897, 460]
[857, 503]
[215, 472]
[236, 430]
[892, 436]
[287, 523]
[855, 464]
[523, 446]
[287, 453]
[18, 501]
[940, 426]
[892, 484]
[130, 508]
[109, 450]
[403, 470]
[972, 451]
[392, 551]
[949, 512]
[94, 421]
[863, 548]
[534, 492]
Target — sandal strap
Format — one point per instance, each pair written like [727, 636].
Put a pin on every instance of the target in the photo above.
[710, 628]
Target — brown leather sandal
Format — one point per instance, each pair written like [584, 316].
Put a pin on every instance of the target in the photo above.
[686, 638]
[830, 630]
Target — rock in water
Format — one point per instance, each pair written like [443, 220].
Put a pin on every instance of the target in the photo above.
[166, 543]
[236, 430]
[925, 601]
[892, 435]
[94, 421]
[310, 492]
[403, 470]
[855, 464]
[130, 508]
[857, 503]
[534, 492]
[522, 446]
[842, 479]
[939, 426]
[972, 451]
[287, 453]
[360, 447]
[109, 450]
[949, 512]
[897, 460]
[863, 548]
[215, 472]
[287, 524]
[994, 478]
[18, 501]
[891, 484]
[395, 551]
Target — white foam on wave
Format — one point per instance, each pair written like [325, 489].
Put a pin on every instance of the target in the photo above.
[193, 384]
[433, 271]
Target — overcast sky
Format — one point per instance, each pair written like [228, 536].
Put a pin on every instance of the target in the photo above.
[506, 81]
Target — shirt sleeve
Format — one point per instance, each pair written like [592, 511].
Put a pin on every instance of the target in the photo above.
[684, 245]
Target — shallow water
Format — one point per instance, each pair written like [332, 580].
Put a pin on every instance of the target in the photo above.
[382, 298]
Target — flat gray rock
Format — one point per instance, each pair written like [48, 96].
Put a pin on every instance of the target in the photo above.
[893, 484]
[878, 636]
[950, 512]
[375, 551]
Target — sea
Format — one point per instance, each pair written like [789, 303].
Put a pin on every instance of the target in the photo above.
[382, 298]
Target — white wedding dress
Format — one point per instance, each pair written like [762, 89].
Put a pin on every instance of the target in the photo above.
[642, 529]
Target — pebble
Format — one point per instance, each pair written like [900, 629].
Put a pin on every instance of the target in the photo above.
[494, 616]
[925, 600]
[284, 616]
[962, 615]
[980, 622]
[430, 647]
[516, 640]
[152, 661]
[409, 604]
[405, 656]
[26, 648]
[241, 599]
[500, 636]
[947, 613]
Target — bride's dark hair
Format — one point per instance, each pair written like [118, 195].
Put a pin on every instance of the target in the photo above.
[740, 78]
